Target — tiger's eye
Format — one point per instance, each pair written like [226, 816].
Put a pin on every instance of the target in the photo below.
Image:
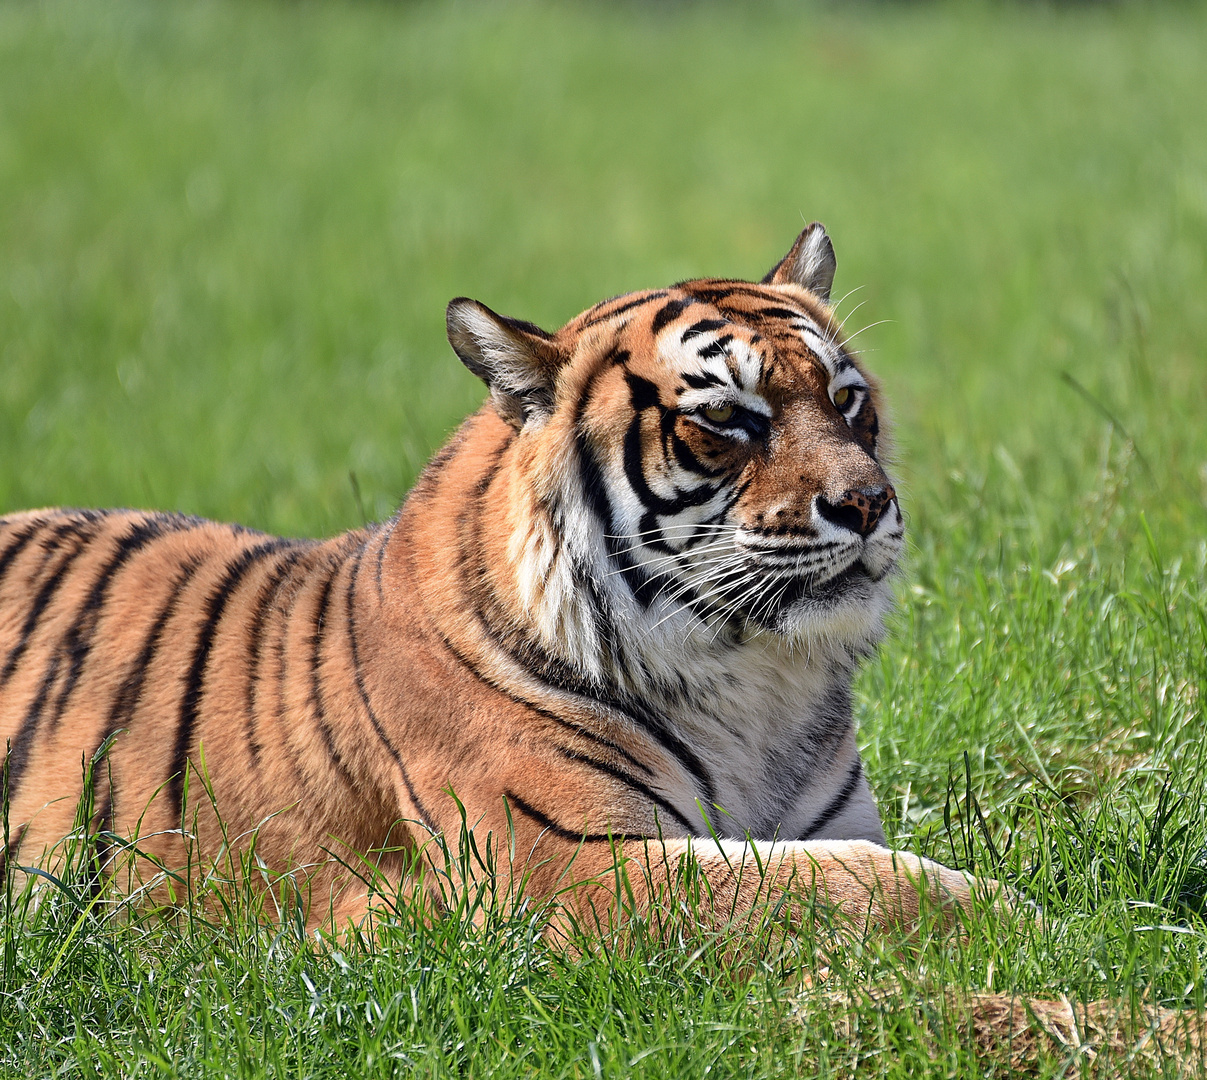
[842, 397]
[721, 414]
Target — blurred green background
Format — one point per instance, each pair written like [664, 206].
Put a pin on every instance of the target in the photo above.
[228, 232]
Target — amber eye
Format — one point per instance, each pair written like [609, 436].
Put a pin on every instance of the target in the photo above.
[842, 397]
[721, 414]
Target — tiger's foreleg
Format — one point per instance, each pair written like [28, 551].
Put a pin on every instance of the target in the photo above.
[850, 886]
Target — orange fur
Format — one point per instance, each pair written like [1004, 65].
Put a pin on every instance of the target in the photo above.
[340, 693]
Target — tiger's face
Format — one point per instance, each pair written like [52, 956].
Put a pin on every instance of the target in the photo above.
[727, 450]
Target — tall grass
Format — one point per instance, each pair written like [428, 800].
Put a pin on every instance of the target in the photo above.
[227, 238]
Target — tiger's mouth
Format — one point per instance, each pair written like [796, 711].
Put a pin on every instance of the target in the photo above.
[815, 594]
[833, 588]
[781, 587]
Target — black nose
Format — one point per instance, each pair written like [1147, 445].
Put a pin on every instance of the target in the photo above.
[859, 510]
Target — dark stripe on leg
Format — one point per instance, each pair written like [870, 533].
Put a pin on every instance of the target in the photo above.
[190, 703]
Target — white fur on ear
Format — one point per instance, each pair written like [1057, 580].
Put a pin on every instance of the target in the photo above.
[516, 359]
[809, 263]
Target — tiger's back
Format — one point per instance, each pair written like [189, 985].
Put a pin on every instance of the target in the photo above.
[163, 634]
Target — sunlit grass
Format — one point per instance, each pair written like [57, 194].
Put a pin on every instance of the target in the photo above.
[227, 238]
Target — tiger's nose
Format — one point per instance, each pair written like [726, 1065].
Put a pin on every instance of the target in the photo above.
[860, 509]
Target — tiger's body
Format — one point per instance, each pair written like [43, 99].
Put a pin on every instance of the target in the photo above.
[625, 602]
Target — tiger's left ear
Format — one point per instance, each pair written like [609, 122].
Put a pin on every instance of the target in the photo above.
[517, 360]
[810, 263]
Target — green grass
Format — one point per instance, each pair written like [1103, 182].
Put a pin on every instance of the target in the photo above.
[228, 234]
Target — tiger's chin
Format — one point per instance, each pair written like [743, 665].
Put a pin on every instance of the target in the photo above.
[847, 609]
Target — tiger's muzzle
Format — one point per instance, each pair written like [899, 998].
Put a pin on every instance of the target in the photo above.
[852, 545]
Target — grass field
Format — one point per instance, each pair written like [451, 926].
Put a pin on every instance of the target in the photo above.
[227, 235]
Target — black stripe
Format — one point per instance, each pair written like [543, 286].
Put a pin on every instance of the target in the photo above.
[9, 851]
[20, 541]
[716, 348]
[381, 554]
[647, 720]
[643, 394]
[655, 727]
[628, 781]
[190, 702]
[643, 585]
[703, 380]
[723, 290]
[41, 602]
[836, 804]
[780, 313]
[560, 678]
[547, 823]
[78, 641]
[668, 313]
[704, 326]
[620, 309]
[654, 503]
[255, 644]
[121, 712]
[284, 720]
[22, 746]
[359, 675]
[581, 731]
[482, 484]
[689, 462]
[129, 693]
[600, 507]
[316, 682]
[541, 667]
[599, 504]
[715, 294]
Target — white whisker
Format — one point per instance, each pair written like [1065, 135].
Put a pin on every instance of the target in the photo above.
[841, 300]
[721, 585]
[714, 552]
[869, 326]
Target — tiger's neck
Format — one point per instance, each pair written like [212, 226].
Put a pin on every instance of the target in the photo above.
[521, 578]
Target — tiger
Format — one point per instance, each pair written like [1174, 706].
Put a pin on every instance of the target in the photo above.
[619, 611]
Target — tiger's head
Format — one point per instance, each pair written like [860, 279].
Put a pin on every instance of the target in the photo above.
[705, 463]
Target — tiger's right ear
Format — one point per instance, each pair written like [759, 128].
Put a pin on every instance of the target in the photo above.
[810, 262]
[517, 360]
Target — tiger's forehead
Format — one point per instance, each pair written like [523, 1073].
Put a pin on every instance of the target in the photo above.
[758, 343]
